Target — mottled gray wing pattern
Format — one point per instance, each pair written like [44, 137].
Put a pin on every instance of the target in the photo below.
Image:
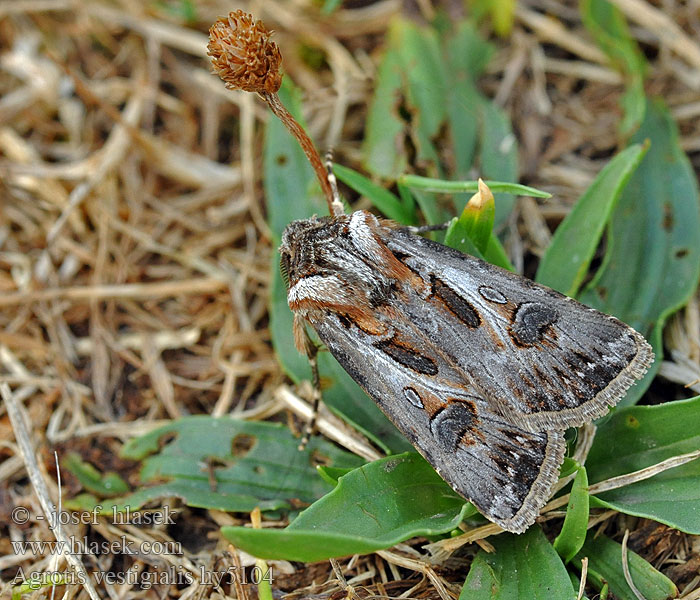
[543, 360]
[504, 470]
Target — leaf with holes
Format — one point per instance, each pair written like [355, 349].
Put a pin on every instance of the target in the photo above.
[228, 464]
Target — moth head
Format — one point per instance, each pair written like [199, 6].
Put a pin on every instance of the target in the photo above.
[302, 246]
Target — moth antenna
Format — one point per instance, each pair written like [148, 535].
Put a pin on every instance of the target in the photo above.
[245, 58]
[428, 228]
[337, 208]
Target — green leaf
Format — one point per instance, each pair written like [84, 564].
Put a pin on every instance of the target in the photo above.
[477, 218]
[608, 27]
[652, 263]
[373, 507]
[633, 102]
[228, 464]
[496, 254]
[457, 237]
[605, 567]
[523, 566]
[102, 484]
[430, 184]
[292, 193]
[640, 436]
[383, 145]
[467, 55]
[573, 532]
[498, 155]
[38, 581]
[502, 15]
[433, 212]
[386, 202]
[426, 84]
[332, 474]
[500, 12]
[568, 257]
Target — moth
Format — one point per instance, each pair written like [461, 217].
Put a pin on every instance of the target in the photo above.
[480, 368]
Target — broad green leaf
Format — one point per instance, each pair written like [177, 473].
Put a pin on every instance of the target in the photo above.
[330, 6]
[467, 55]
[652, 263]
[573, 531]
[523, 566]
[498, 155]
[386, 202]
[426, 83]
[228, 464]
[292, 193]
[605, 567]
[375, 506]
[568, 257]
[383, 145]
[332, 474]
[641, 436]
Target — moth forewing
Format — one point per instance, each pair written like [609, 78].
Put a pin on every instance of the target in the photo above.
[481, 369]
[505, 470]
[543, 358]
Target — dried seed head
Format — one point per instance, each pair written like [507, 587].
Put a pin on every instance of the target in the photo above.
[243, 54]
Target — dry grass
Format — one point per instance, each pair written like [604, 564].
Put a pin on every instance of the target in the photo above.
[134, 252]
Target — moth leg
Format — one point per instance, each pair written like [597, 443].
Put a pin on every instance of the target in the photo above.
[310, 349]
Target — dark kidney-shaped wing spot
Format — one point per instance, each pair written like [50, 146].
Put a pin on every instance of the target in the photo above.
[458, 305]
[530, 323]
[457, 420]
[413, 397]
[408, 357]
[492, 294]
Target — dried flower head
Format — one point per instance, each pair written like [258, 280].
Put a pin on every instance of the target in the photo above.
[243, 54]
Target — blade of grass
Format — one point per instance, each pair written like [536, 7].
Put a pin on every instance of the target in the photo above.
[568, 257]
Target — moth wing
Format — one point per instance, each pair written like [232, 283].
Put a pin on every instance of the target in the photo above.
[507, 472]
[545, 360]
